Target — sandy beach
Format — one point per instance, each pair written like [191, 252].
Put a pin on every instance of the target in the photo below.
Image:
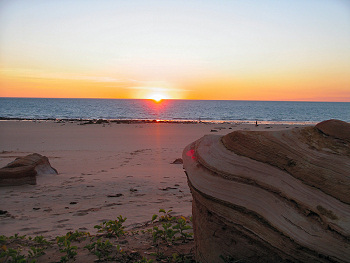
[105, 170]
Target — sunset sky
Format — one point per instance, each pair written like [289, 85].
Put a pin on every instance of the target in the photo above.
[232, 50]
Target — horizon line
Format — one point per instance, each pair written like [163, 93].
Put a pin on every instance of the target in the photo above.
[92, 98]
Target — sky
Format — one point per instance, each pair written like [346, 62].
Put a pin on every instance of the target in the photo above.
[224, 49]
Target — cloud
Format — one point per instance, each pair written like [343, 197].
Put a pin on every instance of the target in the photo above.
[127, 83]
[29, 73]
[156, 88]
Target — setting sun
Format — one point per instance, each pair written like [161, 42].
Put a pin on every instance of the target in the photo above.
[157, 97]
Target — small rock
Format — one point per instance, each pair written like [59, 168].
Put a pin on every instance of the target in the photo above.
[116, 195]
[73, 203]
[213, 130]
[177, 161]
[167, 188]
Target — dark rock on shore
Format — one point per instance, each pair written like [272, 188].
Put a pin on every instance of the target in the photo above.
[177, 161]
[24, 170]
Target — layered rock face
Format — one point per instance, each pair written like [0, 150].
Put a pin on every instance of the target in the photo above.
[24, 170]
[272, 196]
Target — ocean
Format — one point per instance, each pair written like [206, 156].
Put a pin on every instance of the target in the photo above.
[174, 110]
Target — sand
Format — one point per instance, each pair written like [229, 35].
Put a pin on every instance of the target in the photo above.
[105, 170]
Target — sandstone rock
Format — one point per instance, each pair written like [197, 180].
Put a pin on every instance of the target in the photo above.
[335, 128]
[272, 196]
[24, 170]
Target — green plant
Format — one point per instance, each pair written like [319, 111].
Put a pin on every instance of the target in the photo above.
[66, 247]
[165, 216]
[166, 234]
[156, 233]
[102, 249]
[41, 240]
[3, 239]
[35, 252]
[16, 236]
[11, 255]
[75, 236]
[182, 226]
[112, 227]
[169, 230]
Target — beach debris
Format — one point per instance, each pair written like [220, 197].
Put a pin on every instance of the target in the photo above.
[73, 203]
[99, 121]
[116, 195]
[87, 122]
[23, 170]
[212, 130]
[133, 190]
[167, 188]
[177, 161]
[272, 196]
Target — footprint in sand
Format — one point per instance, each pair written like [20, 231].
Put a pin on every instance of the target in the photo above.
[28, 228]
[80, 214]
[63, 220]
[40, 232]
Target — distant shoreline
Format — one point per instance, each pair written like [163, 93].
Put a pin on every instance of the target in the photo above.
[86, 121]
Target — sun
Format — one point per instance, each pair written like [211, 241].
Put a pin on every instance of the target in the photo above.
[157, 97]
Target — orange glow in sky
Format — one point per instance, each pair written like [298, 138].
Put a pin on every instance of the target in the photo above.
[235, 50]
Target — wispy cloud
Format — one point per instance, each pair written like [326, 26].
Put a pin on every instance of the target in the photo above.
[29, 73]
[157, 88]
[127, 83]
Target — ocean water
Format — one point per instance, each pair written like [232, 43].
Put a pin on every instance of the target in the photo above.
[204, 110]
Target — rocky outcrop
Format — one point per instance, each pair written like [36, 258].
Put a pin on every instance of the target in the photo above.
[272, 196]
[24, 170]
[335, 128]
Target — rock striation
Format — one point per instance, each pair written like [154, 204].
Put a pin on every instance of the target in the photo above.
[272, 196]
[24, 170]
